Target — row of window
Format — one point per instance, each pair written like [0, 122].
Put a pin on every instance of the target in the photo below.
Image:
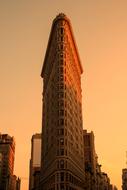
[60, 141]
[66, 177]
[61, 152]
[61, 132]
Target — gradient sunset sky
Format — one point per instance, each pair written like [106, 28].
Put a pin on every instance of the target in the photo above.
[100, 30]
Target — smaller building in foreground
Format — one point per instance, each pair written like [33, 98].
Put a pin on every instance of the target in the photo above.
[124, 179]
[8, 181]
[35, 162]
[15, 183]
[96, 179]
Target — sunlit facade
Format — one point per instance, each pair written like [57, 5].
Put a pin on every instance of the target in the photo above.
[62, 128]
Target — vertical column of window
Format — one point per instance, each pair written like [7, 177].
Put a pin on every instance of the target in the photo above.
[61, 96]
[61, 74]
[67, 98]
[60, 150]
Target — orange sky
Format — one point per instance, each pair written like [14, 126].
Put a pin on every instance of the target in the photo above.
[100, 30]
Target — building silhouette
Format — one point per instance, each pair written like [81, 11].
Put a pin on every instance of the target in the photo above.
[62, 128]
[35, 161]
[8, 181]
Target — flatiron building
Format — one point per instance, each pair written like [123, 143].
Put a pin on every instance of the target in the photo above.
[62, 164]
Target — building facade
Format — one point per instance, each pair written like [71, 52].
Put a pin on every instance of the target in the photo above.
[7, 152]
[124, 179]
[90, 160]
[90, 156]
[95, 178]
[8, 181]
[18, 183]
[62, 128]
[15, 183]
[35, 161]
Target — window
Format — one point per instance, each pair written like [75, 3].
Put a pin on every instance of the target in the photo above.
[57, 152]
[61, 62]
[67, 176]
[61, 152]
[57, 173]
[58, 142]
[60, 131]
[61, 186]
[61, 38]
[61, 121]
[61, 94]
[61, 112]
[57, 176]
[61, 47]
[61, 86]
[62, 164]
[62, 176]
[61, 31]
[61, 103]
[61, 141]
[61, 55]
[61, 70]
[61, 77]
